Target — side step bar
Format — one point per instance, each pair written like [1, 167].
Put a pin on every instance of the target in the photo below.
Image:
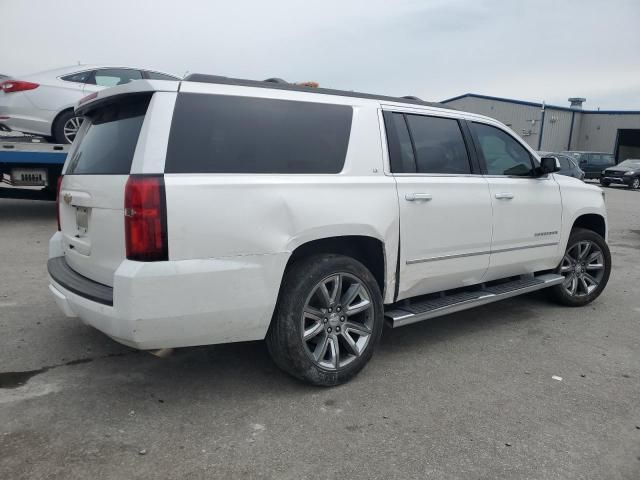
[402, 315]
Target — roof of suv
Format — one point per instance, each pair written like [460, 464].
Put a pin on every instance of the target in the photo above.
[277, 84]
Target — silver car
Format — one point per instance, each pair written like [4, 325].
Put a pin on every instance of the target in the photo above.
[43, 103]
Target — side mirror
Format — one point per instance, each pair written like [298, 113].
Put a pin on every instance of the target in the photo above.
[549, 165]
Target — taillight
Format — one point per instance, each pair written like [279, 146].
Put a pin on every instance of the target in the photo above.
[91, 96]
[58, 200]
[145, 218]
[9, 86]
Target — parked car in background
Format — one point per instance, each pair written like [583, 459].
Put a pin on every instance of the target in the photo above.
[43, 103]
[230, 210]
[592, 163]
[568, 166]
[3, 77]
[625, 173]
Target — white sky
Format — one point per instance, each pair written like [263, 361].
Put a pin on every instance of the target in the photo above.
[526, 49]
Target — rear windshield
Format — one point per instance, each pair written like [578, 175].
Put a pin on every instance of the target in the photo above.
[109, 143]
[232, 134]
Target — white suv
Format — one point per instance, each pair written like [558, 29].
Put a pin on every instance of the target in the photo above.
[220, 210]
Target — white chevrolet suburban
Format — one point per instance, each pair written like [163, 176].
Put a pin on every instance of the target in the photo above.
[221, 210]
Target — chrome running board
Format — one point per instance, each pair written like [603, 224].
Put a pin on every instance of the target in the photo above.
[405, 314]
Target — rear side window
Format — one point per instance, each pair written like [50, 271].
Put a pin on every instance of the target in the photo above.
[401, 153]
[230, 134]
[109, 142]
[80, 77]
[439, 145]
[110, 77]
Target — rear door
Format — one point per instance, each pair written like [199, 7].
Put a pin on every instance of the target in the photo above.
[92, 190]
[445, 209]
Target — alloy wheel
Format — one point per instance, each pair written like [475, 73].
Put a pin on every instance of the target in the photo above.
[337, 321]
[71, 128]
[583, 268]
[636, 183]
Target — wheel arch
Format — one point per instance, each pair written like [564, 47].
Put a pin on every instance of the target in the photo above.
[368, 250]
[57, 117]
[591, 221]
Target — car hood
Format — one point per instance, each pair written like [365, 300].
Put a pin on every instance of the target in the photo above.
[619, 168]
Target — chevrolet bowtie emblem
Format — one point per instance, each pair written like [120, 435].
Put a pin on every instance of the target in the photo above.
[67, 198]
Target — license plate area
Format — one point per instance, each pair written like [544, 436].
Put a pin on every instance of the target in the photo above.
[29, 177]
[82, 219]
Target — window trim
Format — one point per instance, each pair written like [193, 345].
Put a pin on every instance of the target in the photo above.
[393, 144]
[145, 75]
[483, 162]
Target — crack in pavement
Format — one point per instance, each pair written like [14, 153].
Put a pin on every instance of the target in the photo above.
[18, 379]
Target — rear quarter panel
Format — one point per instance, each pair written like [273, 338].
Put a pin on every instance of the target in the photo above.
[225, 215]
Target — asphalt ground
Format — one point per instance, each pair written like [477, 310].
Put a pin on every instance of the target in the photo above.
[471, 395]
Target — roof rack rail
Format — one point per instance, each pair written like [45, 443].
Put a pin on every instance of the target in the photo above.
[276, 80]
[279, 84]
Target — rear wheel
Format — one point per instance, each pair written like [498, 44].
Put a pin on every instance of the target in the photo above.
[66, 127]
[586, 267]
[328, 320]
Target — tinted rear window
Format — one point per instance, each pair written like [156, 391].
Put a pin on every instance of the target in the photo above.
[439, 145]
[230, 134]
[110, 141]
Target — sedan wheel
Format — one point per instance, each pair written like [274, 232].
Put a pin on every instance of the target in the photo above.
[636, 183]
[71, 128]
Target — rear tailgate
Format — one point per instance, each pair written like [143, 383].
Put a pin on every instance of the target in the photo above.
[92, 191]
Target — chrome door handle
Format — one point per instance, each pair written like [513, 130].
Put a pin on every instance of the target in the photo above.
[504, 196]
[412, 197]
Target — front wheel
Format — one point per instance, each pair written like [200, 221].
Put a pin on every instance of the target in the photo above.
[586, 267]
[635, 183]
[328, 320]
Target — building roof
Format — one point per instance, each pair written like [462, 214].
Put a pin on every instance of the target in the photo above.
[539, 105]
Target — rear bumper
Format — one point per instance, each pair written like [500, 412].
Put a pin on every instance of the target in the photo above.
[175, 303]
[23, 116]
[61, 273]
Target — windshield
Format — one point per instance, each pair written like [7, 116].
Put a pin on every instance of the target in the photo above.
[630, 164]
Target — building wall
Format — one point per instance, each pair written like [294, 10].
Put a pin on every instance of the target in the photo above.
[598, 131]
[522, 119]
[557, 124]
[592, 131]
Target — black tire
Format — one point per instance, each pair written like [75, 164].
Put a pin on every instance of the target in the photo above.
[635, 183]
[560, 294]
[603, 183]
[285, 337]
[57, 130]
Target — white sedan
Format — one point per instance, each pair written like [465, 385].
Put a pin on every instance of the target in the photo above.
[43, 103]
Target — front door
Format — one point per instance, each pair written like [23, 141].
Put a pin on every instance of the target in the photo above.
[445, 208]
[527, 210]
